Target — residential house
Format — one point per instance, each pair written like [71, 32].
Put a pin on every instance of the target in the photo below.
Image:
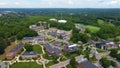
[35, 27]
[52, 50]
[106, 45]
[53, 19]
[56, 43]
[33, 40]
[71, 47]
[14, 52]
[49, 48]
[57, 52]
[28, 55]
[62, 21]
[86, 64]
[38, 40]
[60, 33]
[27, 39]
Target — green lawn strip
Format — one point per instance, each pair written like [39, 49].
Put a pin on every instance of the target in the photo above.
[19, 41]
[37, 48]
[100, 50]
[26, 65]
[92, 29]
[49, 64]
[100, 21]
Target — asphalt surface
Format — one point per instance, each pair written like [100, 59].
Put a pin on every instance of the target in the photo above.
[3, 65]
[65, 63]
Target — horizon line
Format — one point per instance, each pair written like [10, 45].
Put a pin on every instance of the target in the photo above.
[58, 8]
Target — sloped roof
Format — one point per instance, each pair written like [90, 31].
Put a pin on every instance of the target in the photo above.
[88, 64]
[29, 53]
[16, 48]
[28, 38]
[57, 51]
[71, 48]
[48, 47]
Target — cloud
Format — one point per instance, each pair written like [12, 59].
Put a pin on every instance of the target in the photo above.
[113, 2]
[16, 3]
[59, 3]
[3, 3]
[70, 2]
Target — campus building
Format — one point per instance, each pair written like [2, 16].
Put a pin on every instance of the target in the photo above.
[14, 52]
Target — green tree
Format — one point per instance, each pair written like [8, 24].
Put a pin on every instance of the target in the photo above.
[113, 53]
[28, 47]
[73, 63]
[107, 63]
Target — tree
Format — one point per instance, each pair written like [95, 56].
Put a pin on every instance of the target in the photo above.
[107, 63]
[73, 63]
[54, 57]
[108, 31]
[69, 66]
[28, 47]
[3, 45]
[113, 53]
[113, 64]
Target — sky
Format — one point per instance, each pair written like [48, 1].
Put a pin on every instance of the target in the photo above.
[59, 3]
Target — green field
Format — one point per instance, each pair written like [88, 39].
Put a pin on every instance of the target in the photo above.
[100, 51]
[26, 65]
[37, 48]
[100, 21]
[49, 64]
[92, 29]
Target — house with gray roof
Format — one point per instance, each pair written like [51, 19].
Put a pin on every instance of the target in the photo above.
[86, 64]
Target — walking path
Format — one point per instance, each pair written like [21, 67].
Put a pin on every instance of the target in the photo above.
[43, 51]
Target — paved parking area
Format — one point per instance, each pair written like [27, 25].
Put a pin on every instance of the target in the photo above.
[3, 65]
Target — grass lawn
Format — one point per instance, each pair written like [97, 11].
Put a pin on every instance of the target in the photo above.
[26, 65]
[100, 50]
[115, 49]
[49, 64]
[100, 21]
[37, 48]
[2, 57]
[46, 56]
[92, 29]
[19, 41]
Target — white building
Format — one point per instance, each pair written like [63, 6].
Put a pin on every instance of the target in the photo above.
[53, 19]
[62, 21]
[32, 26]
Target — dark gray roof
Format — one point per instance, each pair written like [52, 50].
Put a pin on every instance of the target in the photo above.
[16, 48]
[57, 51]
[56, 43]
[88, 64]
[28, 38]
[71, 49]
[48, 47]
[29, 53]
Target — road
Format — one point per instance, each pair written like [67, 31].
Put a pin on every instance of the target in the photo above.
[61, 64]
[3, 65]
[65, 63]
